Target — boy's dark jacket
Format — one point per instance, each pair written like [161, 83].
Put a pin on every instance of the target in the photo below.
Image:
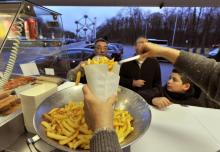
[188, 98]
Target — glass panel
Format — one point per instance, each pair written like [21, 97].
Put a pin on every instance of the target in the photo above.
[7, 14]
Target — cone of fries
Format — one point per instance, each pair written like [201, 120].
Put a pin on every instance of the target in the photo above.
[102, 75]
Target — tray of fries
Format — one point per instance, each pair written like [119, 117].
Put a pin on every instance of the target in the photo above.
[59, 119]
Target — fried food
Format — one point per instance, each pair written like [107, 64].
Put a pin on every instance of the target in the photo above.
[101, 60]
[67, 125]
[78, 77]
[18, 81]
[9, 104]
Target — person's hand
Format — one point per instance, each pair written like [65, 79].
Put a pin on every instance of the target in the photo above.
[161, 102]
[82, 64]
[151, 50]
[138, 83]
[81, 67]
[154, 50]
[98, 114]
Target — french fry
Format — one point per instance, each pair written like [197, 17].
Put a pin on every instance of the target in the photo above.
[46, 124]
[86, 137]
[67, 125]
[69, 139]
[71, 123]
[102, 60]
[78, 77]
[65, 131]
[84, 130]
[56, 136]
[53, 110]
[78, 143]
[59, 116]
[47, 117]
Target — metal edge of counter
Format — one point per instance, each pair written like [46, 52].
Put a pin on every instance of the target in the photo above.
[5, 119]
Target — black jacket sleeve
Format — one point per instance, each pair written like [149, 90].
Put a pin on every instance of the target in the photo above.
[124, 80]
[157, 85]
[155, 91]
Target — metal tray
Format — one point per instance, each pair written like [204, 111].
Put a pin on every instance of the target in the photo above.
[128, 100]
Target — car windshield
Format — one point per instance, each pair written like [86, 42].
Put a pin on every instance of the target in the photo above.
[214, 51]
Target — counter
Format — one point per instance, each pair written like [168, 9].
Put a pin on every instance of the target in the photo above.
[181, 129]
[174, 129]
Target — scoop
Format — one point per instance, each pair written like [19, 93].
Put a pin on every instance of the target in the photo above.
[129, 59]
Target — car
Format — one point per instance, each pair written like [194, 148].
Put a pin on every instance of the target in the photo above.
[119, 46]
[63, 61]
[69, 41]
[113, 51]
[214, 53]
[51, 43]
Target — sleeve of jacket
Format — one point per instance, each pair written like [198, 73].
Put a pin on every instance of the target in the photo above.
[156, 91]
[157, 84]
[105, 141]
[124, 80]
[202, 71]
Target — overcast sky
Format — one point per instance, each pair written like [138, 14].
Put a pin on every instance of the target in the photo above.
[72, 13]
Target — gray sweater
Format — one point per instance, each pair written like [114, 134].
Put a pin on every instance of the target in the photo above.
[202, 71]
[105, 141]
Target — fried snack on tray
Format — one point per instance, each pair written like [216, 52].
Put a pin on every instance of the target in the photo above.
[9, 103]
[101, 60]
[68, 127]
[18, 81]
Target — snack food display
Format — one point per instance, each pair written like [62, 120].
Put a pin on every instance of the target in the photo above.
[8, 103]
[67, 125]
[18, 81]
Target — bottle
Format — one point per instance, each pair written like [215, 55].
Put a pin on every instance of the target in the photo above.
[33, 28]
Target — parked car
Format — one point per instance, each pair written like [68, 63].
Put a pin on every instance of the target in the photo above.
[113, 51]
[69, 41]
[214, 53]
[63, 61]
[119, 46]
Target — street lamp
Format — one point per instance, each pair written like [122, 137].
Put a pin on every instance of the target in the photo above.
[174, 31]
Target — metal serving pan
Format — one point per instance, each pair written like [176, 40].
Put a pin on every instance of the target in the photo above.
[127, 99]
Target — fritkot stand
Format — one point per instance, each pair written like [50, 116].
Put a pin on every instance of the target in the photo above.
[23, 30]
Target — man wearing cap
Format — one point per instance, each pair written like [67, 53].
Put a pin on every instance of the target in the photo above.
[100, 49]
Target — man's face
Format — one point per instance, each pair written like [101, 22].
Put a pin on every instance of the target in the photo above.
[139, 44]
[101, 48]
[175, 84]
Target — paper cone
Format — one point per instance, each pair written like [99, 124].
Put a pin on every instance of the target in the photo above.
[102, 82]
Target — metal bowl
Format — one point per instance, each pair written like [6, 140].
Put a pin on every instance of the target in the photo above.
[128, 100]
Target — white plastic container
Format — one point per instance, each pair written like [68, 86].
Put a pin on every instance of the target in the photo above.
[31, 99]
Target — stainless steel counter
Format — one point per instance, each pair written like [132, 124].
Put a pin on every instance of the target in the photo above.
[11, 127]
[5, 119]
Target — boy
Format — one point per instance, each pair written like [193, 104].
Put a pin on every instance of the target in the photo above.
[178, 89]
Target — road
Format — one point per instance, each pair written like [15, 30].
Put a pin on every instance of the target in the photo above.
[29, 54]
